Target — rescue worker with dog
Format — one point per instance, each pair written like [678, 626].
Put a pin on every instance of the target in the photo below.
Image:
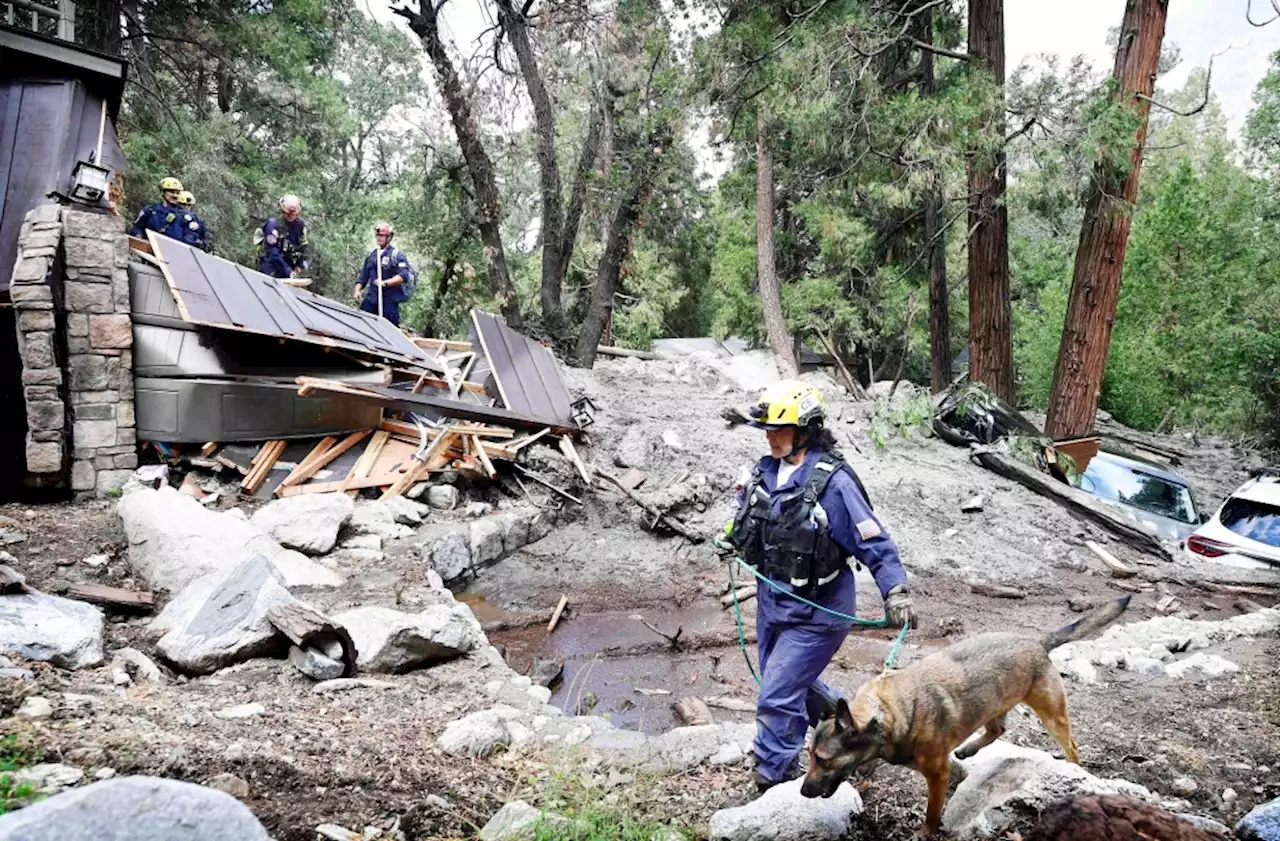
[163, 216]
[802, 514]
[386, 280]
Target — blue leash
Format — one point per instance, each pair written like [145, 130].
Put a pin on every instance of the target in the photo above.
[889, 661]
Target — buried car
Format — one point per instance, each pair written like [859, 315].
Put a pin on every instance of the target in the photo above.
[1152, 494]
[1245, 531]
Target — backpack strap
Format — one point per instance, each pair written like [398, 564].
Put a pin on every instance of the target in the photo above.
[831, 463]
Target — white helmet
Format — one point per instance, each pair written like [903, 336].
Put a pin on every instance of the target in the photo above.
[290, 201]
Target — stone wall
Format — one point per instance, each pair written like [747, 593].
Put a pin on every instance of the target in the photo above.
[71, 292]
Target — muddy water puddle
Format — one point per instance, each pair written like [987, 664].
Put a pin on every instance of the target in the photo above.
[616, 667]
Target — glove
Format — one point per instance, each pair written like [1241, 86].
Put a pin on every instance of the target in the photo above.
[899, 609]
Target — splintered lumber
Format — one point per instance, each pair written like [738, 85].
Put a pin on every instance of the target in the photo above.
[521, 443]
[307, 628]
[341, 485]
[566, 447]
[436, 456]
[267, 459]
[541, 481]
[364, 466]
[483, 458]
[1076, 501]
[11, 581]
[435, 382]
[555, 616]
[653, 511]
[1129, 586]
[996, 591]
[209, 449]
[311, 467]
[740, 595]
[408, 430]
[693, 711]
[316, 452]
[116, 598]
[1117, 567]
[737, 705]
[442, 344]
[633, 478]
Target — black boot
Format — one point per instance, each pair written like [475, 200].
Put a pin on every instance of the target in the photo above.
[759, 785]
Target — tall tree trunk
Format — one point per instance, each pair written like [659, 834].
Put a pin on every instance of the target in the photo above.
[1104, 236]
[990, 315]
[766, 269]
[934, 235]
[480, 167]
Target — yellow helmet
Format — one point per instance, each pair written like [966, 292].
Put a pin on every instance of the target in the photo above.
[186, 199]
[170, 183]
[788, 403]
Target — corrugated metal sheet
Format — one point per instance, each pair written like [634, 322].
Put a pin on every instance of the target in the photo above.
[46, 126]
[525, 372]
[214, 292]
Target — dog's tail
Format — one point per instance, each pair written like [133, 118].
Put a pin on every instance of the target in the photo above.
[1086, 626]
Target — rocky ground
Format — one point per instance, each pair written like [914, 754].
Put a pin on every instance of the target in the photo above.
[371, 755]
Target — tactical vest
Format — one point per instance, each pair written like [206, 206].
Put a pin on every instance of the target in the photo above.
[794, 543]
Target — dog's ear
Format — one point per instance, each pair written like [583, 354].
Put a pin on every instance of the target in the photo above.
[844, 716]
[828, 709]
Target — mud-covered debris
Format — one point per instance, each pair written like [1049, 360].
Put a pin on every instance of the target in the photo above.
[1080, 604]
[546, 671]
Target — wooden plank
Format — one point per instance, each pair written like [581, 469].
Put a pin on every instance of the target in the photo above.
[479, 430]
[125, 601]
[308, 628]
[370, 455]
[209, 449]
[1118, 568]
[528, 439]
[624, 351]
[306, 471]
[430, 461]
[425, 379]
[377, 480]
[633, 479]
[258, 475]
[566, 447]
[316, 452]
[483, 458]
[442, 344]
[555, 616]
[138, 244]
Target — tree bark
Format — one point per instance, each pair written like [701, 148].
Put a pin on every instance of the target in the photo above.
[1104, 236]
[480, 167]
[939, 297]
[990, 315]
[766, 268]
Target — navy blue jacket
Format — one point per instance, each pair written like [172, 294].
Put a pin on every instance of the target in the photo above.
[191, 230]
[284, 247]
[160, 217]
[855, 527]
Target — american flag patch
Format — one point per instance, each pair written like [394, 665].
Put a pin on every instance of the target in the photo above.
[868, 529]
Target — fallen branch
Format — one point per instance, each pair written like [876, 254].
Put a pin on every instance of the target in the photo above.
[996, 591]
[653, 511]
[555, 616]
[1074, 500]
[307, 628]
[673, 640]
[743, 593]
[736, 705]
[541, 481]
[622, 351]
[1118, 569]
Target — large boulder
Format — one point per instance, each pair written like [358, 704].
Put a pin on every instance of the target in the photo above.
[478, 734]
[61, 631]
[174, 540]
[449, 551]
[390, 641]
[1005, 782]
[223, 620]
[1262, 824]
[307, 522]
[135, 808]
[783, 814]
[688, 747]
[378, 518]
[518, 819]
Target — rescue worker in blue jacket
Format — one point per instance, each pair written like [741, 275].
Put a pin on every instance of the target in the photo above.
[802, 514]
[387, 279]
[191, 227]
[163, 216]
[283, 247]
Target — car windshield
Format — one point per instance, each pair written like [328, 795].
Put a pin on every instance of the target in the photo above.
[1254, 520]
[1119, 483]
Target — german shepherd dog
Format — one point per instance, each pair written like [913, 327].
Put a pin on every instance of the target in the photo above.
[917, 716]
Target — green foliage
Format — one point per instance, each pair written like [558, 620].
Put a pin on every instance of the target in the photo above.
[904, 415]
[593, 818]
[17, 751]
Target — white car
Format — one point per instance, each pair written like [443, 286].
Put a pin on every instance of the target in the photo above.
[1245, 531]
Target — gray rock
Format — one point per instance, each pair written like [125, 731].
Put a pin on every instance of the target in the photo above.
[688, 747]
[1143, 665]
[545, 672]
[51, 629]
[443, 497]
[451, 554]
[314, 664]
[1211, 665]
[671, 437]
[486, 540]
[406, 511]
[134, 808]
[333, 832]
[377, 518]
[48, 777]
[478, 509]
[137, 665]
[345, 684]
[307, 522]
[518, 819]
[390, 641]
[241, 711]
[1261, 824]
[229, 784]
[1209, 825]
[174, 541]
[515, 530]
[972, 505]
[1183, 787]
[478, 734]
[10, 673]
[635, 449]
[783, 814]
[1006, 781]
[363, 541]
[212, 625]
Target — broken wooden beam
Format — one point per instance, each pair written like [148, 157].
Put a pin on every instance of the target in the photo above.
[737, 705]
[312, 466]
[1076, 501]
[115, 598]
[555, 615]
[435, 457]
[653, 511]
[209, 449]
[308, 628]
[566, 447]
[267, 457]
[546, 484]
[996, 591]
[1117, 567]
[740, 595]
[442, 344]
